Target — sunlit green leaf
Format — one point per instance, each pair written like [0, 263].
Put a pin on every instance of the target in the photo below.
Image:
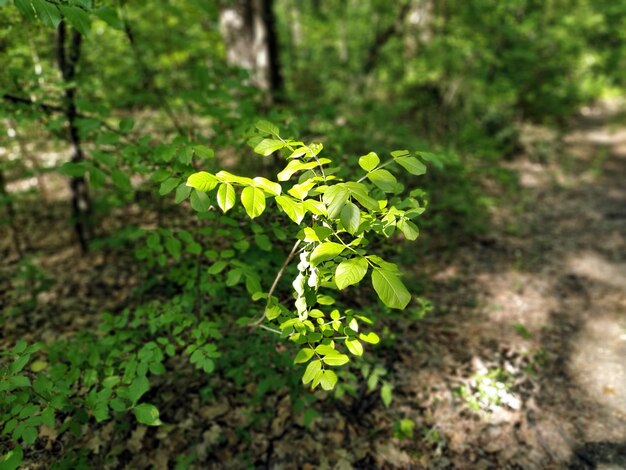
[253, 200]
[390, 289]
[268, 146]
[202, 181]
[294, 210]
[412, 165]
[324, 252]
[226, 197]
[369, 162]
[268, 186]
[303, 356]
[350, 217]
[383, 179]
[354, 346]
[311, 371]
[267, 127]
[350, 272]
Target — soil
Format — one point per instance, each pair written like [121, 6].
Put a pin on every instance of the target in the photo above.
[521, 363]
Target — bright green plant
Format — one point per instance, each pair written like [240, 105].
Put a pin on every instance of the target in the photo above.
[336, 219]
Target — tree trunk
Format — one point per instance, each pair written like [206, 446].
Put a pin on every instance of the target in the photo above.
[67, 59]
[249, 31]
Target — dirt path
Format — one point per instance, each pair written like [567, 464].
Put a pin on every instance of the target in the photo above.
[532, 322]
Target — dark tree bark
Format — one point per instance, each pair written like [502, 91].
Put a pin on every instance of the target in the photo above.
[68, 54]
[275, 71]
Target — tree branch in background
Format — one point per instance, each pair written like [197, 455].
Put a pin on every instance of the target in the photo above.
[147, 76]
[383, 37]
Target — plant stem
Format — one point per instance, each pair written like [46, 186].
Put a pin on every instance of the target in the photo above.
[292, 253]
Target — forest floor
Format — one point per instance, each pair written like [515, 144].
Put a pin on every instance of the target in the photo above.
[521, 364]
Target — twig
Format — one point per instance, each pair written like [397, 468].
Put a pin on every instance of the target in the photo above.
[275, 283]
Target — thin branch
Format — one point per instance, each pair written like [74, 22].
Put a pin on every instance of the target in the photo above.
[292, 253]
[46, 108]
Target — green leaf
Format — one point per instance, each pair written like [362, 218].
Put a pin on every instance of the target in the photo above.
[335, 198]
[273, 312]
[311, 371]
[47, 13]
[137, 388]
[350, 272]
[77, 17]
[390, 289]
[383, 179]
[147, 414]
[182, 192]
[72, 169]
[267, 127]
[268, 146]
[300, 191]
[97, 178]
[109, 16]
[371, 338]
[336, 359]
[121, 180]
[217, 267]
[350, 217]
[328, 380]
[292, 167]
[412, 165]
[253, 200]
[226, 197]
[409, 229]
[168, 186]
[200, 202]
[399, 153]
[173, 246]
[29, 435]
[325, 349]
[386, 393]
[226, 177]
[203, 151]
[324, 252]
[20, 347]
[26, 8]
[303, 356]
[360, 192]
[294, 210]
[126, 124]
[354, 346]
[19, 363]
[268, 186]
[13, 459]
[202, 181]
[369, 162]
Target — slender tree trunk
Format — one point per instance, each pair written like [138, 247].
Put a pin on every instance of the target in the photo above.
[67, 59]
[5, 197]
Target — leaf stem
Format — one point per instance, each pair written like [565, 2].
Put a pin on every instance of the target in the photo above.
[292, 253]
[387, 163]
